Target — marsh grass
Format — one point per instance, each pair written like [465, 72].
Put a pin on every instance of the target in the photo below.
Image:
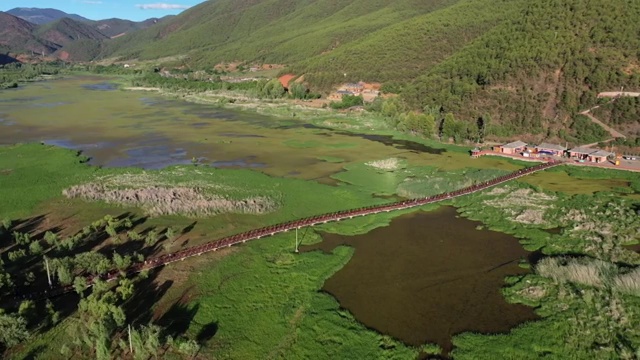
[158, 200]
[628, 283]
[594, 272]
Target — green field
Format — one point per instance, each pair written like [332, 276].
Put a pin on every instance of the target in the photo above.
[260, 300]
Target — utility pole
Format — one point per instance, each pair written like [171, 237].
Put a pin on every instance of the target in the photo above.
[130, 342]
[46, 262]
[297, 240]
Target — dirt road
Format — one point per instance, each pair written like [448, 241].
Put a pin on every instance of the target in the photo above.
[615, 133]
[613, 94]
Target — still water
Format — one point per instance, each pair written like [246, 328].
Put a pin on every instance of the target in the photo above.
[429, 276]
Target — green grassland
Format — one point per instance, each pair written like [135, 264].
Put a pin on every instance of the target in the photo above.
[263, 299]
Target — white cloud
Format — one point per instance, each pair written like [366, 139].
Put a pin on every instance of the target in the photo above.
[161, 6]
[92, 2]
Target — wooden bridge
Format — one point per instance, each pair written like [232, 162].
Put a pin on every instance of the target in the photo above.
[292, 225]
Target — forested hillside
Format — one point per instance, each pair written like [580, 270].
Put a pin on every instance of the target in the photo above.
[534, 71]
[524, 67]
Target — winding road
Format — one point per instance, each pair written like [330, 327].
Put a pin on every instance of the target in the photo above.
[292, 225]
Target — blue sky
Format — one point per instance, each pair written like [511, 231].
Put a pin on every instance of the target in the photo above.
[103, 9]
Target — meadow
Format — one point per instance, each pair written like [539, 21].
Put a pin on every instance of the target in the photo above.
[261, 300]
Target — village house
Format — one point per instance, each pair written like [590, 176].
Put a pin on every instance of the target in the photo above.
[590, 154]
[550, 149]
[600, 156]
[355, 88]
[580, 153]
[511, 148]
[337, 95]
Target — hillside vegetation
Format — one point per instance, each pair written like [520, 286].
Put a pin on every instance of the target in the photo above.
[269, 30]
[546, 64]
[524, 67]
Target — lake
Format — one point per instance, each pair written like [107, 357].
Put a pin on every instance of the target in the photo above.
[428, 276]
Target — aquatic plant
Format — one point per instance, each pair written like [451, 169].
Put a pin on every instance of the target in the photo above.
[159, 200]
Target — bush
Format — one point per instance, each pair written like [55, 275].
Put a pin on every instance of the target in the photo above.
[347, 102]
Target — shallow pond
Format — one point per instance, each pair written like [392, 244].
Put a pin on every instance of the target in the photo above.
[126, 128]
[429, 276]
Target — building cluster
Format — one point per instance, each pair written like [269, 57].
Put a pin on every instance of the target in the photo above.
[368, 91]
[582, 154]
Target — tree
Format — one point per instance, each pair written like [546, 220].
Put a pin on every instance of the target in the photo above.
[50, 238]
[13, 330]
[449, 127]
[79, 285]
[27, 309]
[170, 233]
[298, 91]
[125, 288]
[35, 248]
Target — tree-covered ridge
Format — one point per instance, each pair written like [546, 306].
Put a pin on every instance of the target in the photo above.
[400, 53]
[549, 62]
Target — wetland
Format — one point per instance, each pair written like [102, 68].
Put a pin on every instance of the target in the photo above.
[429, 276]
[426, 282]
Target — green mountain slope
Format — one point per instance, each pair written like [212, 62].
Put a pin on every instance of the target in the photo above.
[525, 66]
[534, 71]
[268, 30]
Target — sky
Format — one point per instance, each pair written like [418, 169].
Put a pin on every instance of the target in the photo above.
[104, 9]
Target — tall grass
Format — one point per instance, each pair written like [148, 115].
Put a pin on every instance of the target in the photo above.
[628, 283]
[586, 272]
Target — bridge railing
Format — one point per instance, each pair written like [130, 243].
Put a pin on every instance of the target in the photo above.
[278, 228]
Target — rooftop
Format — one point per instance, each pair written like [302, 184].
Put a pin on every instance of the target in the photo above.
[548, 146]
[583, 150]
[602, 153]
[515, 145]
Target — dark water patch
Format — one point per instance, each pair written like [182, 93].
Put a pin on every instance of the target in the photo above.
[554, 231]
[6, 122]
[247, 162]
[21, 100]
[301, 125]
[388, 140]
[152, 157]
[48, 105]
[427, 277]
[150, 101]
[103, 86]
[635, 247]
[237, 135]
[200, 125]
[68, 144]
[212, 114]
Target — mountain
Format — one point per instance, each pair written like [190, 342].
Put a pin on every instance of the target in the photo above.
[118, 27]
[66, 30]
[16, 36]
[64, 38]
[269, 30]
[109, 27]
[527, 67]
[75, 40]
[43, 16]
